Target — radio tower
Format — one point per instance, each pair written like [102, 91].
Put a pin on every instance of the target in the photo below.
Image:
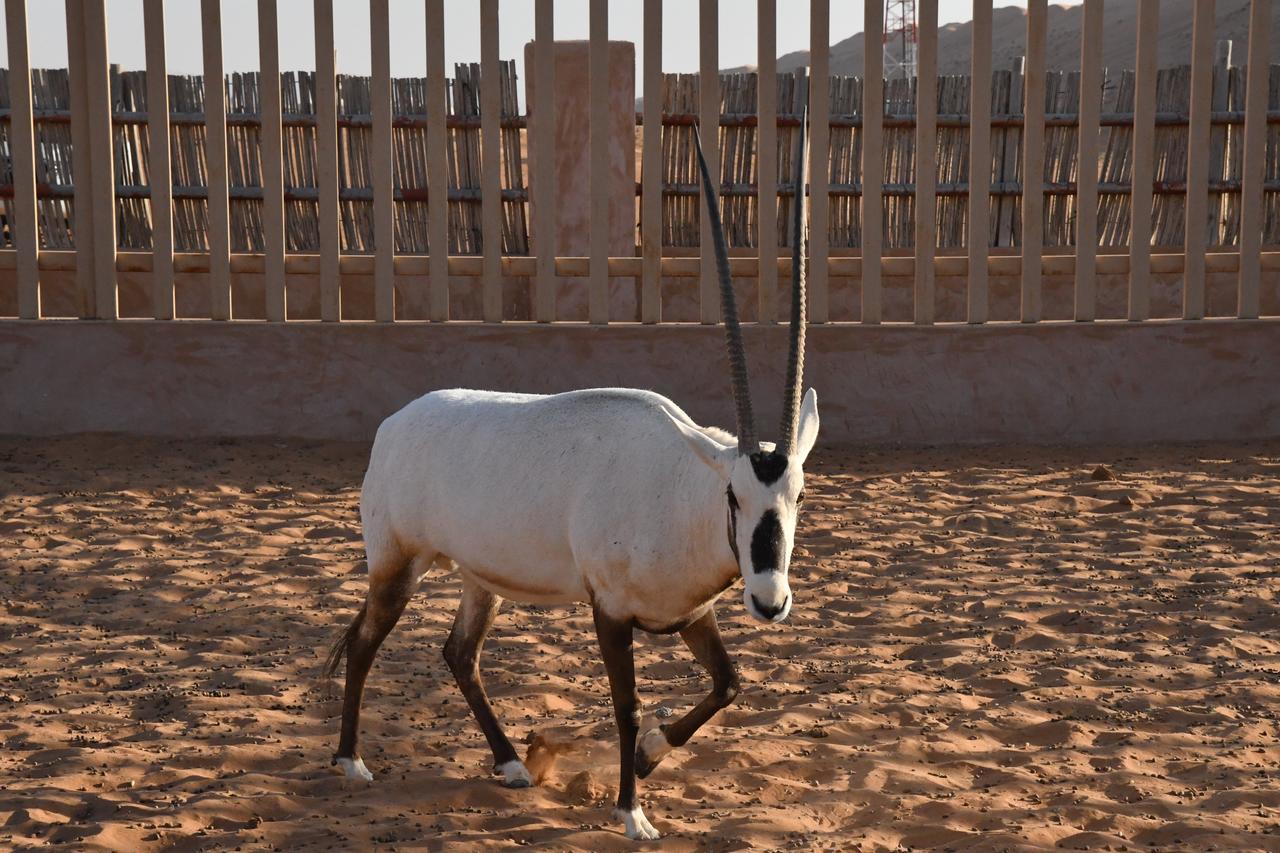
[900, 39]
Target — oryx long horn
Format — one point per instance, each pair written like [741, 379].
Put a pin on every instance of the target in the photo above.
[747, 442]
[799, 318]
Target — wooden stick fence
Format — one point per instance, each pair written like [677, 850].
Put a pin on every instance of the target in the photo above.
[334, 180]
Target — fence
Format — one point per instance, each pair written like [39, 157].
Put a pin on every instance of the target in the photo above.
[304, 178]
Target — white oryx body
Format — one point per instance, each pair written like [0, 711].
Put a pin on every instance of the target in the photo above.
[588, 496]
[609, 496]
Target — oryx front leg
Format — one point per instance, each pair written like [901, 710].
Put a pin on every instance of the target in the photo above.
[703, 639]
[475, 617]
[615, 648]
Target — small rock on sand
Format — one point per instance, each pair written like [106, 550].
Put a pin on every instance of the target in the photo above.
[585, 788]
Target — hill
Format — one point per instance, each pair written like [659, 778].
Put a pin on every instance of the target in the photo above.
[1118, 46]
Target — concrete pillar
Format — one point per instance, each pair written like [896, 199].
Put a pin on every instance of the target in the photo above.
[572, 168]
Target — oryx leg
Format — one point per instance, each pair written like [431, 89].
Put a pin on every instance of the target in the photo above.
[462, 652]
[391, 585]
[703, 639]
[615, 647]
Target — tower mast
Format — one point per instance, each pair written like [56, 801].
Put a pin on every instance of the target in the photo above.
[900, 39]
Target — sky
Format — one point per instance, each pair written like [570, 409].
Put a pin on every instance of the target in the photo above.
[48, 45]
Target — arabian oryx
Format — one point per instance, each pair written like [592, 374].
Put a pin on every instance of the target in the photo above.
[609, 496]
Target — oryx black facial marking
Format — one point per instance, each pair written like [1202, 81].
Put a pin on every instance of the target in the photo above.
[733, 523]
[768, 466]
[766, 544]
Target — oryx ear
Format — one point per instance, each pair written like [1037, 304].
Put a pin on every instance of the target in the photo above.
[807, 430]
[718, 456]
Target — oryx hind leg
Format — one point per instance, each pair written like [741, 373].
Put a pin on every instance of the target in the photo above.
[703, 639]
[392, 580]
[475, 616]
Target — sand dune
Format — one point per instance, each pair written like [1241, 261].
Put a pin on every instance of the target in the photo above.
[990, 649]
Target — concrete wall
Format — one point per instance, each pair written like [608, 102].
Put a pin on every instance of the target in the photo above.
[1107, 382]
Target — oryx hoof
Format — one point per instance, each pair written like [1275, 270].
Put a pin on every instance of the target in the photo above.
[636, 825]
[514, 774]
[353, 768]
[650, 750]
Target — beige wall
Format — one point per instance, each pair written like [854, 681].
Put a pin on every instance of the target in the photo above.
[1106, 382]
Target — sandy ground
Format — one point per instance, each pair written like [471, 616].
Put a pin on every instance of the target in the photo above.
[989, 650]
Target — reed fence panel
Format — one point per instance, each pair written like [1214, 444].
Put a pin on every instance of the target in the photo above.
[680, 93]
[1239, 183]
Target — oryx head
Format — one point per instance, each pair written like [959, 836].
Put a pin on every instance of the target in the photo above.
[764, 482]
